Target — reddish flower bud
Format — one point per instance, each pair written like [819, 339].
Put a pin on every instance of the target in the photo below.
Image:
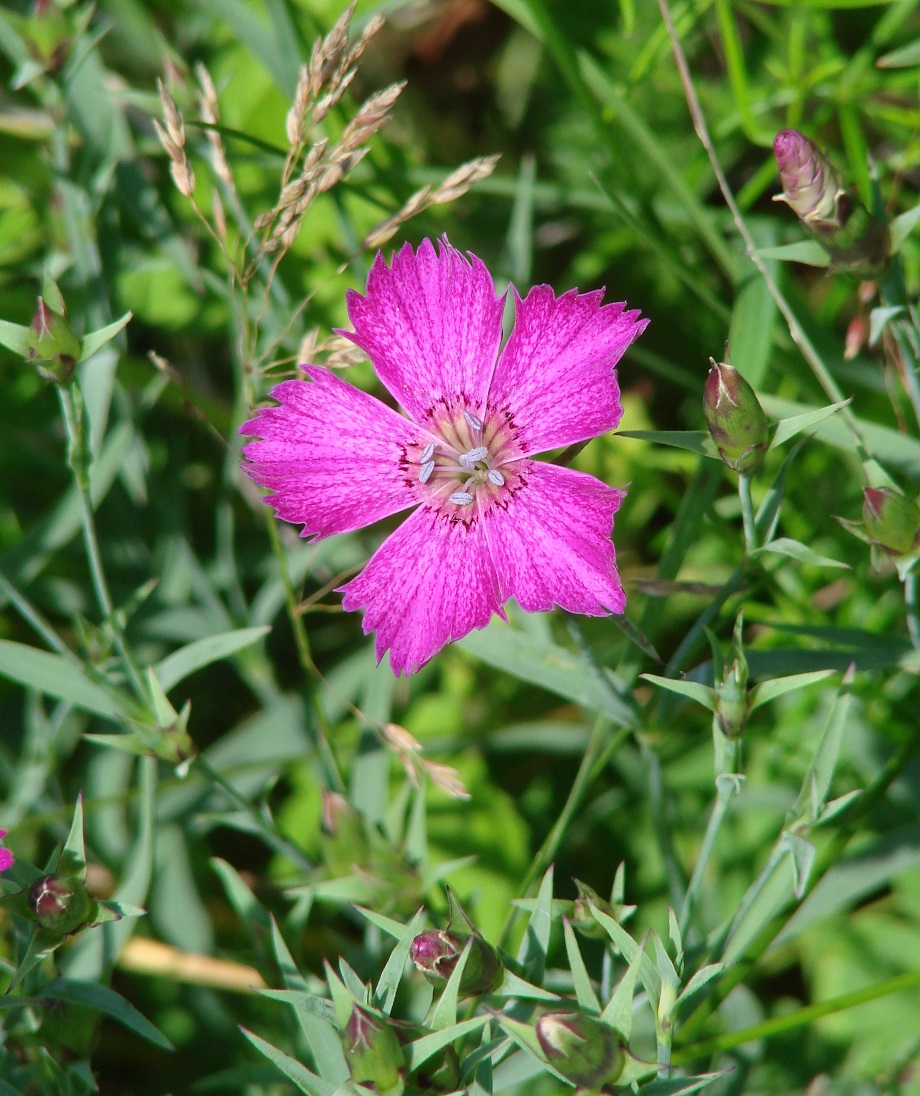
[436, 953]
[584, 1050]
[61, 904]
[6, 857]
[53, 347]
[735, 418]
[373, 1052]
[891, 520]
[856, 241]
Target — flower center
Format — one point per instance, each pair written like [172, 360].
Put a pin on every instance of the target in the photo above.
[472, 458]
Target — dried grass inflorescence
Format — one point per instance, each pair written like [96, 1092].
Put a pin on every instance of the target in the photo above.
[408, 749]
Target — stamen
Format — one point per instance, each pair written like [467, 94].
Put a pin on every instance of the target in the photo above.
[426, 454]
[496, 477]
[425, 471]
[469, 459]
[472, 420]
[461, 498]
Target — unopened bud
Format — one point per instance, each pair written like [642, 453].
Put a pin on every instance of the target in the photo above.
[53, 347]
[732, 702]
[584, 1050]
[856, 241]
[437, 952]
[735, 418]
[373, 1053]
[440, 1073]
[891, 520]
[61, 904]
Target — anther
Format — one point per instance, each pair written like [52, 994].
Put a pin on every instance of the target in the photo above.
[426, 454]
[470, 458]
[425, 471]
[496, 477]
[461, 498]
[473, 421]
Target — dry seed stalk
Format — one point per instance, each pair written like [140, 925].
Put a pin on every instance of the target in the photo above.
[456, 184]
[210, 113]
[172, 138]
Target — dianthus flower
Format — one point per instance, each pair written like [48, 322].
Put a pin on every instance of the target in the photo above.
[490, 522]
[6, 857]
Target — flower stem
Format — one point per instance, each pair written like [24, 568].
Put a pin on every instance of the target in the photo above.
[747, 513]
[78, 460]
[913, 609]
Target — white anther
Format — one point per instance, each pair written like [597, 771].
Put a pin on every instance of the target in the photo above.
[427, 453]
[461, 498]
[425, 471]
[469, 459]
[496, 477]
[472, 420]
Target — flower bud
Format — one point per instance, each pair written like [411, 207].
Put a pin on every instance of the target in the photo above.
[373, 1053]
[53, 347]
[735, 419]
[436, 953]
[891, 520]
[440, 1073]
[732, 702]
[855, 240]
[61, 904]
[584, 1050]
[6, 857]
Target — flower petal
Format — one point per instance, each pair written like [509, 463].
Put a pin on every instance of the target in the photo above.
[556, 373]
[331, 453]
[429, 583]
[431, 324]
[551, 544]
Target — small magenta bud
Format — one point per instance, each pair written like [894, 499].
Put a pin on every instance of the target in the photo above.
[61, 905]
[53, 347]
[585, 1051]
[891, 520]
[6, 857]
[436, 953]
[855, 240]
[373, 1053]
[735, 418]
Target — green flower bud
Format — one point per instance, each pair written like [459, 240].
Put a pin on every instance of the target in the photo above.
[855, 240]
[373, 1052]
[732, 703]
[891, 520]
[53, 347]
[61, 904]
[436, 953]
[585, 1051]
[735, 419]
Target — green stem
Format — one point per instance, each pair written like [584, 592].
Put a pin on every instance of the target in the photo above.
[798, 1019]
[77, 457]
[727, 787]
[913, 609]
[747, 514]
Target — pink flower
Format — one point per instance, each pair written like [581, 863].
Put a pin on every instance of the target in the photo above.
[490, 522]
[6, 857]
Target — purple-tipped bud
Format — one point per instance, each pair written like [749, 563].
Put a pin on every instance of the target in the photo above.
[584, 1050]
[735, 418]
[373, 1052]
[6, 857]
[437, 952]
[53, 347]
[892, 521]
[855, 240]
[61, 905]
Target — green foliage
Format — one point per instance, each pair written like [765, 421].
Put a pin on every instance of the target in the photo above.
[230, 826]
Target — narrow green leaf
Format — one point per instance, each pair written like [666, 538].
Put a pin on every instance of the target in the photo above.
[304, 1080]
[618, 1012]
[794, 549]
[702, 694]
[694, 441]
[584, 991]
[700, 979]
[102, 999]
[629, 949]
[445, 1012]
[803, 251]
[95, 340]
[64, 678]
[817, 781]
[786, 429]
[202, 652]
[770, 690]
[418, 1052]
[534, 946]
[15, 337]
[901, 227]
[391, 976]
